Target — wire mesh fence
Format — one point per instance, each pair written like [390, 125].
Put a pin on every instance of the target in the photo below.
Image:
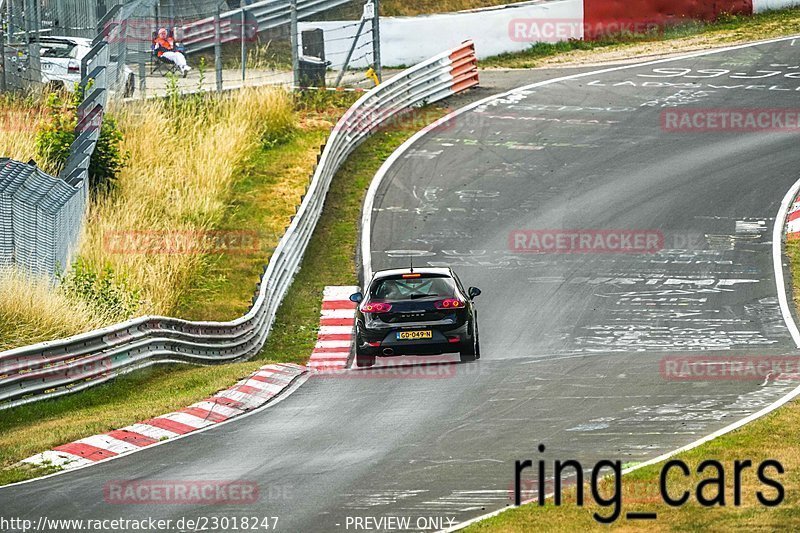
[253, 44]
[224, 43]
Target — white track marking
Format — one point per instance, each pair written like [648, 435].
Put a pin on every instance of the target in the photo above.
[217, 408]
[777, 261]
[151, 431]
[336, 330]
[106, 442]
[338, 313]
[334, 293]
[334, 344]
[188, 420]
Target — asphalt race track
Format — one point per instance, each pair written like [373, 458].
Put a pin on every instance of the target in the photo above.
[573, 344]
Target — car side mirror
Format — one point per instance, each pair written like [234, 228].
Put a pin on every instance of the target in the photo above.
[474, 292]
[357, 297]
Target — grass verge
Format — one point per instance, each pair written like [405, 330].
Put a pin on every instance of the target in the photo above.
[728, 30]
[330, 259]
[267, 186]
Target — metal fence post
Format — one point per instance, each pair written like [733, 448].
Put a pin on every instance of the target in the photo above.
[34, 73]
[294, 43]
[353, 46]
[3, 59]
[376, 41]
[244, 48]
[218, 48]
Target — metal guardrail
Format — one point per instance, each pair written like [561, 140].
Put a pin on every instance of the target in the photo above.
[59, 367]
[269, 14]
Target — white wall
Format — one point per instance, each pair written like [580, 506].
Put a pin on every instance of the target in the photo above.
[409, 40]
[759, 6]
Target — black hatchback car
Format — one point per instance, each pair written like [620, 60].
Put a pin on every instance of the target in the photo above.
[420, 311]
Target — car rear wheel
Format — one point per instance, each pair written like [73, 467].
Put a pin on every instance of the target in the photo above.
[472, 353]
[365, 361]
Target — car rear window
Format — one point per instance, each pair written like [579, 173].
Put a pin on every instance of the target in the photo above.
[413, 288]
[57, 49]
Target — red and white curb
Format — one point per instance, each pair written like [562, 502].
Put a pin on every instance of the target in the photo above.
[331, 353]
[335, 337]
[247, 395]
[793, 220]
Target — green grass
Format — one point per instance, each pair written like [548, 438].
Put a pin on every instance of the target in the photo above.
[272, 182]
[793, 253]
[264, 200]
[36, 427]
[726, 30]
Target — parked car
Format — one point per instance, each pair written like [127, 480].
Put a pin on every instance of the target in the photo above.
[60, 59]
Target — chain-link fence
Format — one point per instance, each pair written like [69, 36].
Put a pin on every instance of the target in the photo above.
[224, 43]
[233, 43]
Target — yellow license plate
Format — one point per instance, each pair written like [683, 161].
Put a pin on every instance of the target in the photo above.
[414, 335]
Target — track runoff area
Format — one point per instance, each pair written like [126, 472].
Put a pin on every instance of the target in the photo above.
[609, 356]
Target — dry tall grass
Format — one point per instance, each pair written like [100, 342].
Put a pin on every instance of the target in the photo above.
[176, 182]
[31, 311]
[18, 121]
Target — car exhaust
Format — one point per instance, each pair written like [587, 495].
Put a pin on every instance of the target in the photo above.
[388, 351]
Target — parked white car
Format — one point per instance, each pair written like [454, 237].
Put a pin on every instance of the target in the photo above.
[61, 62]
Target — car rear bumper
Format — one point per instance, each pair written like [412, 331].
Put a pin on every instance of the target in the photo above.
[391, 346]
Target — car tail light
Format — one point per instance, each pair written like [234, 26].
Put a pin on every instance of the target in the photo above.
[450, 303]
[73, 67]
[376, 307]
[453, 340]
[375, 344]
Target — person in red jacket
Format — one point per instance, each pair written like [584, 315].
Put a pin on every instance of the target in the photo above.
[164, 45]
